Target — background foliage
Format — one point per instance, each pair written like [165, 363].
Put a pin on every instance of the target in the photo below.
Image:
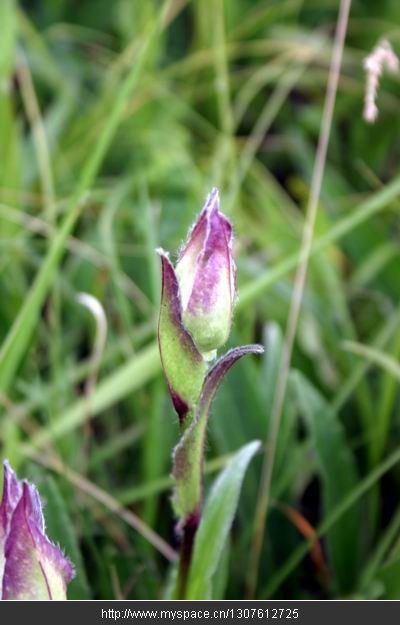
[229, 94]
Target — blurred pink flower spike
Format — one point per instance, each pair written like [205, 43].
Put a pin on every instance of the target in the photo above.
[381, 58]
[31, 567]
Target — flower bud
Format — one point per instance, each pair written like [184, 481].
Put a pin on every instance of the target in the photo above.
[206, 277]
[31, 567]
[196, 306]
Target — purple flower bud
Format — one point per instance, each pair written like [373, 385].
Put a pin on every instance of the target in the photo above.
[196, 305]
[31, 567]
[206, 276]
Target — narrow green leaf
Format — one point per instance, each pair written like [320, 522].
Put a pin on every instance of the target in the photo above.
[329, 522]
[7, 38]
[377, 559]
[389, 577]
[129, 377]
[220, 578]
[339, 476]
[216, 522]
[284, 466]
[376, 356]
[364, 211]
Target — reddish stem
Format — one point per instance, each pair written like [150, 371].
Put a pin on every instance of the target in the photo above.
[186, 552]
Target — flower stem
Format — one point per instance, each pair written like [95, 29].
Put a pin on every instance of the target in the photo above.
[186, 552]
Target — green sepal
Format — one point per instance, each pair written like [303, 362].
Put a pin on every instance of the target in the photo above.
[183, 364]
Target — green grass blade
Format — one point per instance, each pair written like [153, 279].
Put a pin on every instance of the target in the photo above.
[339, 477]
[360, 214]
[375, 356]
[7, 37]
[375, 563]
[389, 578]
[20, 334]
[329, 522]
[131, 376]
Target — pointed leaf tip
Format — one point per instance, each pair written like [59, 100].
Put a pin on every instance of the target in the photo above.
[217, 373]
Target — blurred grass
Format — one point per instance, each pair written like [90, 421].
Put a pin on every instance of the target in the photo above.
[112, 131]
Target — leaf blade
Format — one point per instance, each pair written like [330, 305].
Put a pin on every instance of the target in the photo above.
[216, 522]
